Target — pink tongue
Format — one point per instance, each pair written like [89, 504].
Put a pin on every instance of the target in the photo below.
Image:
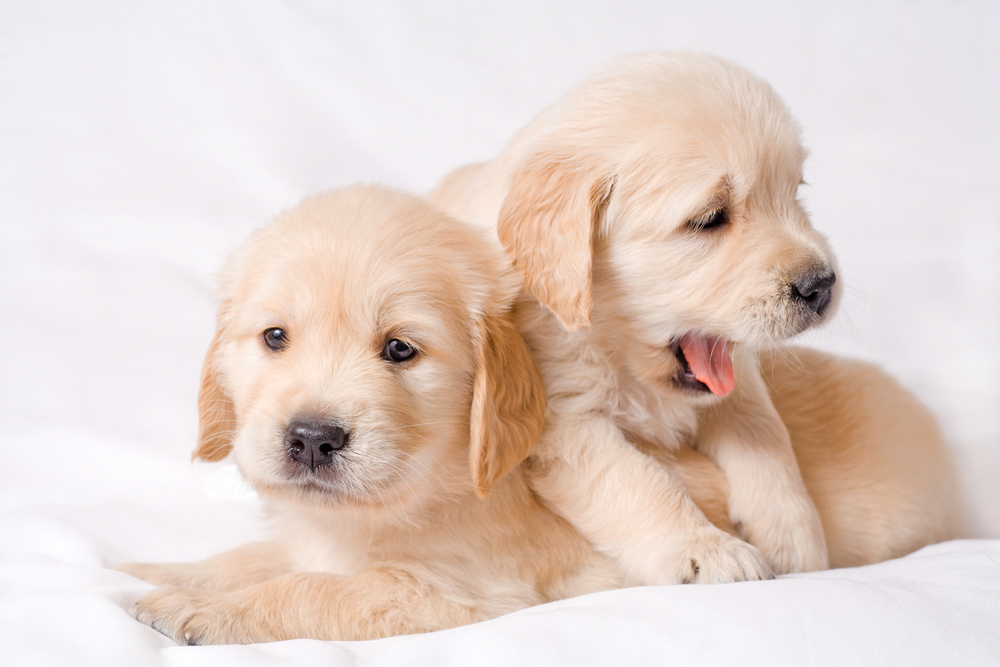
[709, 361]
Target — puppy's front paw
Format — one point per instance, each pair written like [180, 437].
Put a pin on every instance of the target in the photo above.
[191, 617]
[718, 558]
[791, 538]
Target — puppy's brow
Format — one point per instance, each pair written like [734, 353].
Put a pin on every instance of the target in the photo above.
[719, 198]
[723, 189]
[393, 327]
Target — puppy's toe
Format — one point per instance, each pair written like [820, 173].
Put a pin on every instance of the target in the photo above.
[720, 558]
[183, 615]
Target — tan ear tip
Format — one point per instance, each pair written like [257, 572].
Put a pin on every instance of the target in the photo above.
[210, 453]
[579, 321]
[483, 492]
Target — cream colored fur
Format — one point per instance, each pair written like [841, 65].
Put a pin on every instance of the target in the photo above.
[424, 519]
[598, 204]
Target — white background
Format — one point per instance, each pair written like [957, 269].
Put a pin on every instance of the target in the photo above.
[139, 142]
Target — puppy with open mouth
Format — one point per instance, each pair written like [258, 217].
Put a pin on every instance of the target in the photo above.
[653, 216]
[369, 382]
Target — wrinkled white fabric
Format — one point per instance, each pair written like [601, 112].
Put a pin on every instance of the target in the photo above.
[940, 605]
[139, 142]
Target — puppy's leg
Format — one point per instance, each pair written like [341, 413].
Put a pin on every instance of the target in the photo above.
[768, 501]
[376, 603]
[229, 571]
[633, 509]
[702, 479]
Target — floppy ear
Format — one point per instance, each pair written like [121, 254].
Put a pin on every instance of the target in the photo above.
[547, 223]
[216, 414]
[508, 403]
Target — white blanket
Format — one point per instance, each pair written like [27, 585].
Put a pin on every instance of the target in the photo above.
[141, 141]
[938, 606]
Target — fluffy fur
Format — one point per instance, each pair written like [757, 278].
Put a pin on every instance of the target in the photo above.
[422, 519]
[654, 209]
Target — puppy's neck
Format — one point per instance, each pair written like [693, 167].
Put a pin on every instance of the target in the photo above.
[588, 369]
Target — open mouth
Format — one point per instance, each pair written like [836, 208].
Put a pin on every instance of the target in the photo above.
[705, 364]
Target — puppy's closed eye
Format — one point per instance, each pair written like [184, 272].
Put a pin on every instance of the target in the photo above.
[710, 221]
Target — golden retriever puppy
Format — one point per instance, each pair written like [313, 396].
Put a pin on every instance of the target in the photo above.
[652, 214]
[370, 384]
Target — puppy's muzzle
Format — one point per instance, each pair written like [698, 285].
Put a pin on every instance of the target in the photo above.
[814, 291]
[314, 443]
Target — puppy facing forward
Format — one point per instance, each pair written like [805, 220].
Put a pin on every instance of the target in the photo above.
[653, 216]
[369, 383]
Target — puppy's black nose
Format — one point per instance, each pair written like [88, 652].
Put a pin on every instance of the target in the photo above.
[313, 443]
[815, 291]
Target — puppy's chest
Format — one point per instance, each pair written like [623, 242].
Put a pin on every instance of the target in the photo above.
[347, 546]
[333, 542]
[319, 550]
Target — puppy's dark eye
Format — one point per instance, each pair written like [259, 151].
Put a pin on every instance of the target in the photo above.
[396, 350]
[711, 220]
[276, 339]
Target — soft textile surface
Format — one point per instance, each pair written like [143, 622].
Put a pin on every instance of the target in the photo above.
[937, 606]
[141, 141]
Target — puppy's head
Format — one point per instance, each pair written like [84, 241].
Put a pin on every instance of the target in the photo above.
[657, 203]
[364, 356]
